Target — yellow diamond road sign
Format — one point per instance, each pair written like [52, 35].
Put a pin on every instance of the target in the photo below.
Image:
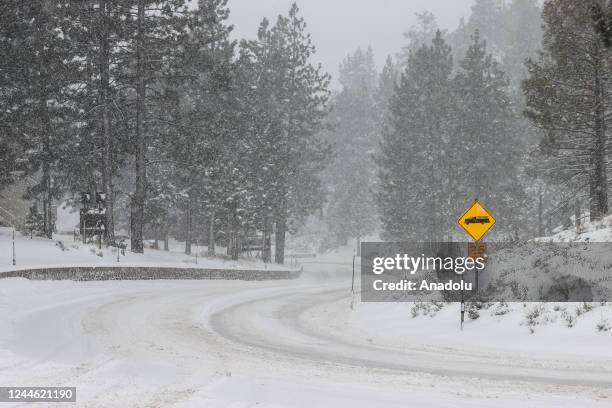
[476, 221]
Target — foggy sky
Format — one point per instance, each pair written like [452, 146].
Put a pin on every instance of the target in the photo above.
[338, 27]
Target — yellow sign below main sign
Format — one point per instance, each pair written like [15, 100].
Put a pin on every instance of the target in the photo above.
[476, 221]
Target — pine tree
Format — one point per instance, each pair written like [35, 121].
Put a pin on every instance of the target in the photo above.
[415, 145]
[420, 34]
[155, 30]
[447, 141]
[41, 104]
[355, 114]
[488, 144]
[486, 17]
[293, 103]
[204, 149]
[14, 27]
[387, 82]
[567, 95]
[523, 34]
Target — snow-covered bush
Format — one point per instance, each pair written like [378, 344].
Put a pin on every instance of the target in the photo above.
[604, 325]
[473, 313]
[584, 308]
[426, 308]
[500, 309]
[570, 319]
[536, 316]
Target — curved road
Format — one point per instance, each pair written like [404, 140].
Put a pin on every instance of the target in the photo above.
[217, 342]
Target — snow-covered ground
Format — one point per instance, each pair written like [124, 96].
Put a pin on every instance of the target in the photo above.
[292, 343]
[596, 231]
[64, 251]
[287, 344]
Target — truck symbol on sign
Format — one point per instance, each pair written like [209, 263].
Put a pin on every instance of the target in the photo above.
[477, 220]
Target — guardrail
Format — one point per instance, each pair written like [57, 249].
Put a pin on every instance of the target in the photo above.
[103, 273]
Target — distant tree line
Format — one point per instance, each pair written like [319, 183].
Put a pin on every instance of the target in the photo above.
[451, 138]
[439, 126]
[205, 139]
[511, 107]
[189, 132]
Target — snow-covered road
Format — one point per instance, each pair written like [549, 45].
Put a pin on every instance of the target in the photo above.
[270, 344]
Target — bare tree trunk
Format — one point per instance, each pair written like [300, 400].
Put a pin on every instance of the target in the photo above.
[540, 215]
[229, 237]
[166, 233]
[281, 231]
[107, 168]
[577, 214]
[599, 181]
[138, 200]
[237, 247]
[211, 233]
[46, 182]
[188, 232]
[156, 234]
[266, 250]
[46, 201]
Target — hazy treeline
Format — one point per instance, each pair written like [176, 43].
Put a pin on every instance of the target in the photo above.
[200, 137]
[190, 133]
[509, 108]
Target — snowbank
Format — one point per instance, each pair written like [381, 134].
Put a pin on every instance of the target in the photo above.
[62, 251]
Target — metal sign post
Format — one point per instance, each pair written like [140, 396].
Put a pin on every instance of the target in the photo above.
[353, 284]
[353, 280]
[462, 310]
[477, 250]
[476, 221]
[14, 261]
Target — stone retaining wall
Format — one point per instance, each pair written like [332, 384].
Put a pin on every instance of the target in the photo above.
[102, 273]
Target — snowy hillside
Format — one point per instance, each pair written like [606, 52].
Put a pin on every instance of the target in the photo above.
[597, 231]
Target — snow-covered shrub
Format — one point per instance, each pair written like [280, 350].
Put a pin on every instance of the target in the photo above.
[584, 308]
[415, 311]
[570, 319]
[474, 308]
[536, 316]
[500, 309]
[604, 325]
[473, 313]
[426, 308]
